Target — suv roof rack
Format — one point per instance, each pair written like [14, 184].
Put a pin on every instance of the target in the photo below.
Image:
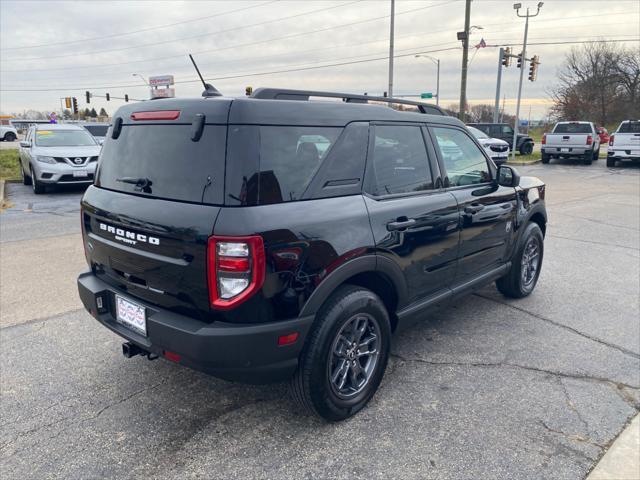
[288, 94]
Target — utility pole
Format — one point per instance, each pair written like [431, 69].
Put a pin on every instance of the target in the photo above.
[390, 90]
[496, 108]
[517, 7]
[464, 36]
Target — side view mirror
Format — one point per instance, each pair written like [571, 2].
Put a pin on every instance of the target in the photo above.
[25, 144]
[508, 176]
[100, 141]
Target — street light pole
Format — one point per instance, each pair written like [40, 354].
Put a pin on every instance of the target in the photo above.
[142, 78]
[437, 62]
[517, 7]
[390, 91]
[496, 107]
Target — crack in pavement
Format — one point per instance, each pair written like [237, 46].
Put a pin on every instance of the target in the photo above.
[574, 437]
[573, 407]
[623, 350]
[592, 242]
[616, 386]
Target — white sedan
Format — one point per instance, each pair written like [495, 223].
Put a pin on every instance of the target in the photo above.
[497, 149]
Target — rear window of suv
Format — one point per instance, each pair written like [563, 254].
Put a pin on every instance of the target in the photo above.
[629, 127]
[573, 128]
[162, 161]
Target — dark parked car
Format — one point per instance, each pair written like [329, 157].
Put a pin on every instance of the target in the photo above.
[504, 131]
[262, 239]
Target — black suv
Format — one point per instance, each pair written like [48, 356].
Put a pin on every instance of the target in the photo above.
[260, 239]
[504, 131]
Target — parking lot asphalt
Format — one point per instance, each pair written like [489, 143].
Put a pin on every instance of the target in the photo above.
[488, 388]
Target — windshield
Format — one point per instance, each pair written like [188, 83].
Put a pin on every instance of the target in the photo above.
[572, 128]
[629, 127]
[477, 133]
[97, 130]
[63, 138]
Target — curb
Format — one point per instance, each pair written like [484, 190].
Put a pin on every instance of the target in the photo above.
[1, 191]
[523, 164]
[620, 461]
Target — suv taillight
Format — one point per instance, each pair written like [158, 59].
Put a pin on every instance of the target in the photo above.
[235, 269]
[589, 139]
[611, 140]
[544, 139]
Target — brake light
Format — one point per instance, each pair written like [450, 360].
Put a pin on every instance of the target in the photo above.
[157, 115]
[544, 139]
[235, 268]
[589, 139]
[611, 140]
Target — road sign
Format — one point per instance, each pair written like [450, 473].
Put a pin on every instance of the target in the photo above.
[523, 122]
[161, 81]
[163, 92]
[426, 95]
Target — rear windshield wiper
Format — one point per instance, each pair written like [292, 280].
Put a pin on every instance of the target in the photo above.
[141, 183]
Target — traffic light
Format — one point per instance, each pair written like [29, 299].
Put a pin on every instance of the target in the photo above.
[75, 105]
[88, 95]
[67, 102]
[519, 65]
[248, 91]
[533, 68]
[108, 97]
[506, 57]
[126, 97]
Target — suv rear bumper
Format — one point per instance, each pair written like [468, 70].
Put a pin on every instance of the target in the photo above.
[239, 352]
[624, 154]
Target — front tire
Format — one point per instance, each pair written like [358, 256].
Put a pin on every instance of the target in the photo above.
[10, 137]
[345, 355]
[38, 187]
[523, 275]
[26, 179]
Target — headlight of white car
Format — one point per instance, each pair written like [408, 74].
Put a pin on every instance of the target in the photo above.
[44, 159]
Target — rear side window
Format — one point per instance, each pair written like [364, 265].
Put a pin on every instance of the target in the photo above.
[629, 127]
[97, 130]
[572, 128]
[400, 162]
[161, 161]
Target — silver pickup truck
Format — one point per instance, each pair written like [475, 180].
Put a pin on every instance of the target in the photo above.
[571, 140]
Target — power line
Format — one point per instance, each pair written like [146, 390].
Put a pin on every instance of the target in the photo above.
[132, 32]
[258, 42]
[354, 62]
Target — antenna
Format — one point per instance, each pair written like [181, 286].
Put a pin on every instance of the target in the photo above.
[209, 90]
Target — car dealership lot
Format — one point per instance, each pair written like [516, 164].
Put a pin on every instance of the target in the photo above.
[492, 388]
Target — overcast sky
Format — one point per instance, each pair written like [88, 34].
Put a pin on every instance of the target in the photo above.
[70, 47]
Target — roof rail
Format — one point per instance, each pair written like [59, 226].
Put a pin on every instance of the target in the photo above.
[288, 94]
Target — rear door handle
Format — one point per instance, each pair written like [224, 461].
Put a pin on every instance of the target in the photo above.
[473, 208]
[401, 224]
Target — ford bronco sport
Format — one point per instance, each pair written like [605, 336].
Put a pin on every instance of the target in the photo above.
[279, 237]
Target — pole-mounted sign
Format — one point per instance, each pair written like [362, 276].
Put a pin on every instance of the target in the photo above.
[161, 86]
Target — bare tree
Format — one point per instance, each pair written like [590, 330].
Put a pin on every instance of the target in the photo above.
[595, 81]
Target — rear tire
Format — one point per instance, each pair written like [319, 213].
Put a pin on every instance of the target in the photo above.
[546, 158]
[526, 148]
[523, 275]
[611, 162]
[596, 154]
[588, 158]
[345, 355]
[37, 186]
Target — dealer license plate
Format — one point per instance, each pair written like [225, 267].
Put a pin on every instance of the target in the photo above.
[564, 149]
[131, 315]
[80, 173]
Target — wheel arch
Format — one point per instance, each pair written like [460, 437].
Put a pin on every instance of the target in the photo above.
[375, 273]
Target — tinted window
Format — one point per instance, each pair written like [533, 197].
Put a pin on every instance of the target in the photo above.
[572, 128]
[629, 127]
[176, 167]
[463, 159]
[63, 138]
[97, 130]
[506, 130]
[400, 163]
[289, 159]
